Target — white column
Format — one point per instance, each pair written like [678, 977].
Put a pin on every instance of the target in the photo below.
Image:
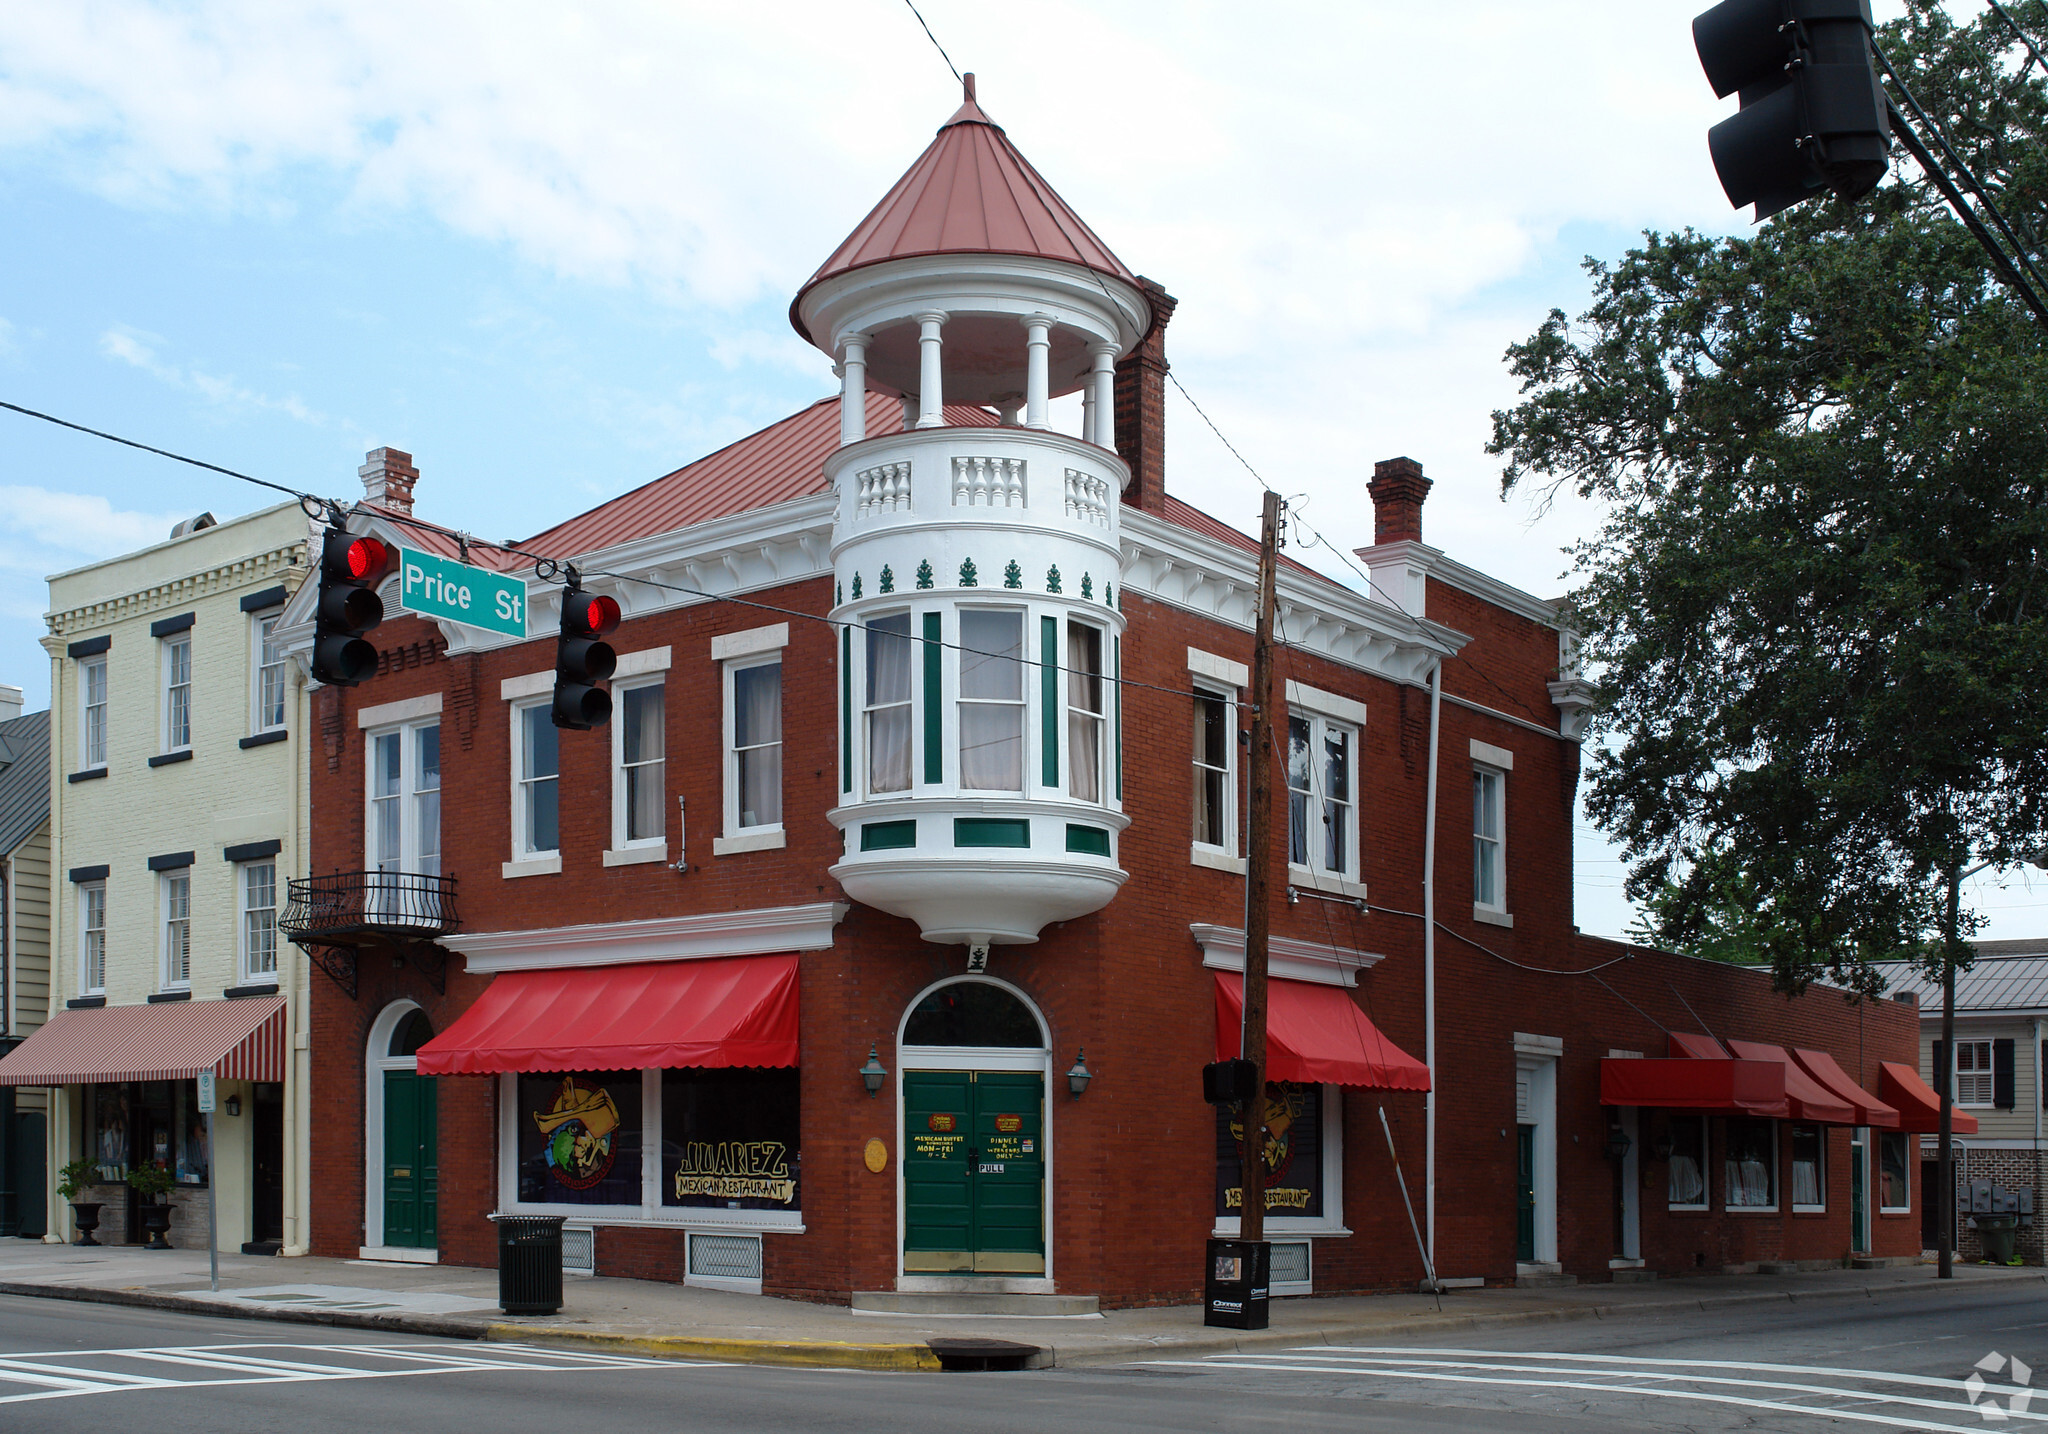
[931, 399]
[1087, 413]
[1037, 369]
[853, 388]
[1102, 385]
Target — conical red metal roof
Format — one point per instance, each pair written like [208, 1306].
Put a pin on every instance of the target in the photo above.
[970, 192]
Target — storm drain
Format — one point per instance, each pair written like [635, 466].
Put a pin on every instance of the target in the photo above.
[976, 1356]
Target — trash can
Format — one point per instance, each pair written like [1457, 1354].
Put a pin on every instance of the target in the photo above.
[529, 1263]
[1235, 1284]
[1998, 1233]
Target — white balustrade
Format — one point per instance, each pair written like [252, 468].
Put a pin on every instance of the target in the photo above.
[1087, 498]
[988, 483]
[885, 488]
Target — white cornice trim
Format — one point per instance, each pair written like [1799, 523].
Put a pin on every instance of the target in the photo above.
[1223, 950]
[1184, 569]
[766, 931]
[1469, 580]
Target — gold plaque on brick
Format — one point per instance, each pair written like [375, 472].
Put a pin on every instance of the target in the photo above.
[877, 1156]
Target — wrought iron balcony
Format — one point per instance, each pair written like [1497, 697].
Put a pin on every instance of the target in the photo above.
[333, 916]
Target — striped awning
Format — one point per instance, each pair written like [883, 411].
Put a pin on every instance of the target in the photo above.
[241, 1039]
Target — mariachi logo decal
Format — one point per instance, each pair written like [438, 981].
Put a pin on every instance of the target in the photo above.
[1283, 1108]
[1009, 1124]
[581, 1128]
[938, 1122]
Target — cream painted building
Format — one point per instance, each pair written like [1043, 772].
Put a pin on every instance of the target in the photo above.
[177, 763]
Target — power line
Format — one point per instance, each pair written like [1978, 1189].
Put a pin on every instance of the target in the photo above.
[935, 42]
[162, 452]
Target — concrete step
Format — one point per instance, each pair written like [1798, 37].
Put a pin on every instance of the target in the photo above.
[974, 1302]
[1546, 1275]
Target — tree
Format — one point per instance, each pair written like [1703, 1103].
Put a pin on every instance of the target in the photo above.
[1816, 610]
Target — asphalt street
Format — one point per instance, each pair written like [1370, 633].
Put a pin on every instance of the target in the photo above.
[1899, 1363]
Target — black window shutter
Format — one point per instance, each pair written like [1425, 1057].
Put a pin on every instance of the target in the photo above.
[2040, 1066]
[2004, 1085]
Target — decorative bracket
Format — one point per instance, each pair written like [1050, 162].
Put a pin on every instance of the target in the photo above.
[339, 962]
[431, 961]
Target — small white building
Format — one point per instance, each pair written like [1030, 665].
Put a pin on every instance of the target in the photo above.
[177, 761]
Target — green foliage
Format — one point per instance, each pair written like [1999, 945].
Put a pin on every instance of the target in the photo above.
[1817, 611]
[75, 1177]
[149, 1180]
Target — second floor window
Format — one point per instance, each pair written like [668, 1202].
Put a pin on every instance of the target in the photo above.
[1213, 786]
[992, 700]
[642, 764]
[888, 703]
[537, 762]
[268, 688]
[177, 945]
[1086, 712]
[92, 743]
[754, 779]
[259, 920]
[1321, 796]
[405, 800]
[1973, 1073]
[1488, 791]
[92, 938]
[178, 692]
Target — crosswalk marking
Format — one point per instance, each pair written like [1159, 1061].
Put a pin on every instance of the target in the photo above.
[63, 1374]
[1850, 1392]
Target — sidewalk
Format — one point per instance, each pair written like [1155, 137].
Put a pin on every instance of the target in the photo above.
[648, 1317]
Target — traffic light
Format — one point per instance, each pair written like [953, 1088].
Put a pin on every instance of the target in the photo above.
[1813, 113]
[1229, 1082]
[350, 569]
[583, 659]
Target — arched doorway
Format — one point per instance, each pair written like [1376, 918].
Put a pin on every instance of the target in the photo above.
[400, 1154]
[974, 1056]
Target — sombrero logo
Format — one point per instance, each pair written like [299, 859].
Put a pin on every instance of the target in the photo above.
[581, 1127]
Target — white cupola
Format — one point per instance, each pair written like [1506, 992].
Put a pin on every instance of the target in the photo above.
[975, 549]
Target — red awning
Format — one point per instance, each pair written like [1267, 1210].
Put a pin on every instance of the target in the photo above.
[1810, 1099]
[1687, 1046]
[1710, 1084]
[1918, 1106]
[727, 1011]
[1316, 1033]
[1869, 1109]
[241, 1039]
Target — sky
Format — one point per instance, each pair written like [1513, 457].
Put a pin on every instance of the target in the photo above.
[549, 250]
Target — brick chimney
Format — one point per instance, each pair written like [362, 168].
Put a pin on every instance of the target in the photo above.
[1398, 490]
[10, 702]
[388, 476]
[1141, 407]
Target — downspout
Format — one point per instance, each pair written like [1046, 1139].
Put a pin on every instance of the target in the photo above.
[1436, 693]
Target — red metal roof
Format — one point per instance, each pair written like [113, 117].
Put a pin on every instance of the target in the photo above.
[237, 1040]
[970, 192]
[726, 1011]
[783, 461]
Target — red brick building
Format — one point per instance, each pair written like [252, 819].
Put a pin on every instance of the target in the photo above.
[875, 945]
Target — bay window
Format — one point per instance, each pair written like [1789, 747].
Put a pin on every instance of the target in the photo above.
[887, 708]
[991, 700]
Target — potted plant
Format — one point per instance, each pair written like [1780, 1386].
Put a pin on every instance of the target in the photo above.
[151, 1182]
[75, 1179]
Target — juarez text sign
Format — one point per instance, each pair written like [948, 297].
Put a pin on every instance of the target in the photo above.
[436, 587]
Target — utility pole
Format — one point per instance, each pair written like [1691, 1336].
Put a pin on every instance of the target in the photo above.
[1944, 1067]
[1257, 903]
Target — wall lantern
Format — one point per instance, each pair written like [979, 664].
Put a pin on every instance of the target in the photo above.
[1079, 1075]
[874, 1072]
[234, 1105]
[1618, 1143]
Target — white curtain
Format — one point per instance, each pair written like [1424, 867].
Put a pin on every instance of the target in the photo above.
[888, 703]
[757, 703]
[1749, 1182]
[1805, 1183]
[1084, 712]
[992, 701]
[1687, 1188]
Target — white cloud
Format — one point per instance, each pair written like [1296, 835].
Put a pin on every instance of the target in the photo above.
[73, 527]
[138, 350]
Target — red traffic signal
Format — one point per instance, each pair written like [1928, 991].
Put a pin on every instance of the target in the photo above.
[588, 614]
[348, 607]
[583, 659]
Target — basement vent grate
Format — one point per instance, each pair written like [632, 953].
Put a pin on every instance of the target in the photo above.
[1290, 1263]
[728, 1257]
[579, 1250]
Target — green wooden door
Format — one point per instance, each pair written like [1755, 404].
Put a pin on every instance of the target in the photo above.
[1859, 1195]
[1525, 1193]
[411, 1176]
[974, 1172]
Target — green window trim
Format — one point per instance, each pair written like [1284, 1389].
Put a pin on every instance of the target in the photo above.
[991, 831]
[887, 836]
[1116, 683]
[845, 709]
[1092, 840]
[1049, 698]
[934, 745]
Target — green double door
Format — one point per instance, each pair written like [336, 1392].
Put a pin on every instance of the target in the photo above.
[973, 1172]
[410, 1174]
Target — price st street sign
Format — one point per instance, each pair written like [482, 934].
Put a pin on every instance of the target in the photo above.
[456, 592]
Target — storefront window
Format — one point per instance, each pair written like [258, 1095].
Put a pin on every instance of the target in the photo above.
[1752, 1165]
[1293, 1162]
[1894, 1191]
[579, 1138]
[1687, 1178]
[110, 1130]
[1809, 1146]
[730, 1139]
